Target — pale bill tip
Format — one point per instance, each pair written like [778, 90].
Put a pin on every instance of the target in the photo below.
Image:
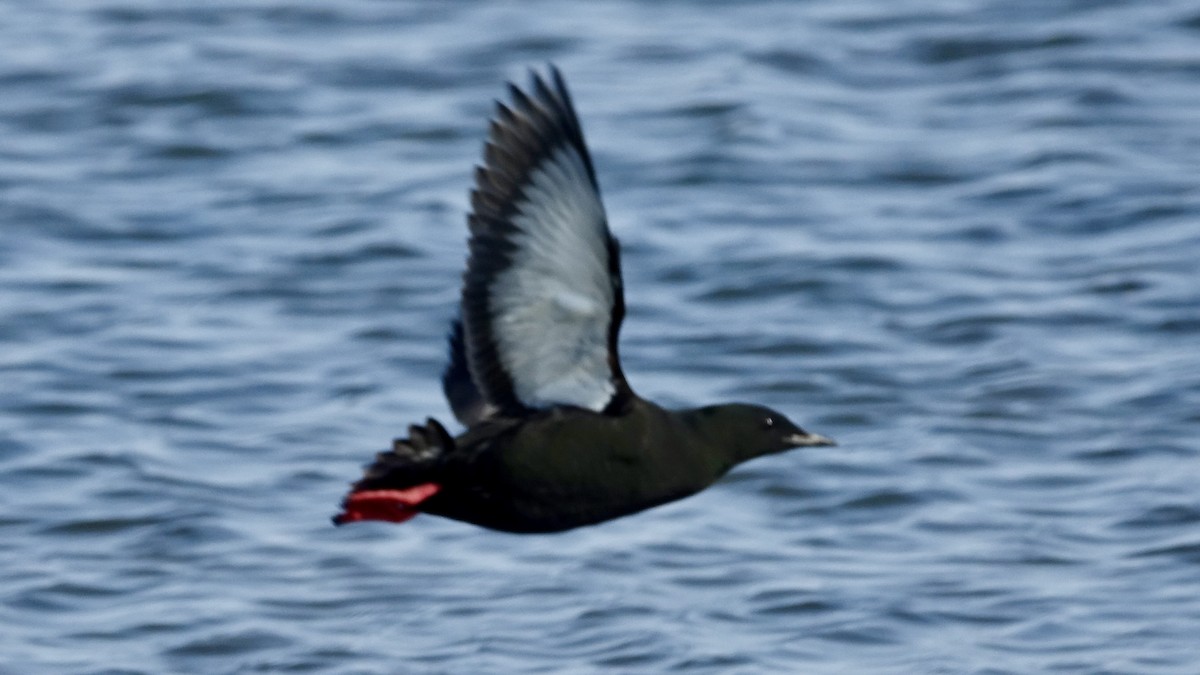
[810, 440]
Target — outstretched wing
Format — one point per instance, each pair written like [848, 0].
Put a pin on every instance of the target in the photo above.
[542, 298]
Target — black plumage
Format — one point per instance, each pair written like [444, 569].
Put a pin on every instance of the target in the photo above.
[555, 437]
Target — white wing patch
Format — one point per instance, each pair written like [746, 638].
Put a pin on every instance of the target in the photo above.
[551, 309]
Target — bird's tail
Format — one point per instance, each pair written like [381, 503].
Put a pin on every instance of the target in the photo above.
[395, 484]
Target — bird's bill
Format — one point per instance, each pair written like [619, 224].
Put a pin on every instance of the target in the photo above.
[809, 440]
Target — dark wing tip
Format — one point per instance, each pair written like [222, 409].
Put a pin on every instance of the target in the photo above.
[523, 131]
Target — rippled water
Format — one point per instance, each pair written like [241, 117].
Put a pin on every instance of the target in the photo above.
[963, 238]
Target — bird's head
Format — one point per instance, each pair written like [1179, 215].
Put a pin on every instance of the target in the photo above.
[748, 431]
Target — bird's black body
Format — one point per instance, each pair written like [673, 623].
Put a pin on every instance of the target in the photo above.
[566, 467]
[555, 437]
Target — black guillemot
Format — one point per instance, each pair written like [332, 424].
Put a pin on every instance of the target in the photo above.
[555, 438]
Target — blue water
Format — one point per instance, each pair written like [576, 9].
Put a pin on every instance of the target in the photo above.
[961, 237]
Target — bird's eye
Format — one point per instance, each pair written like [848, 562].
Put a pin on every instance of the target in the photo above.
[768, 422]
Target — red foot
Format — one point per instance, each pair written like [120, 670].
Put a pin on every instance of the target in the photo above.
[394, 506]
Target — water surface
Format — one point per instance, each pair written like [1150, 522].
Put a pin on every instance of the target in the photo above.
[960, 237]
